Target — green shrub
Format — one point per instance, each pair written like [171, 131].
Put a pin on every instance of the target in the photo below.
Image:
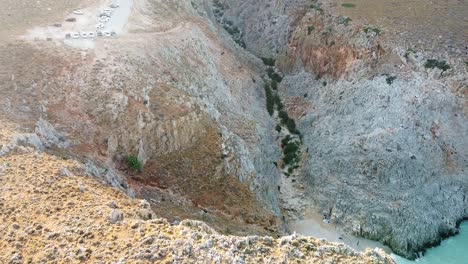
[377, 31]
[431, 63]
[345, 20]
[285, 141]
[277, 101]
[134, 164]
[278, 128]
[274, 85]
[291, 153]
[317, 7]
[348, 5]
[390, 79]
[291, 124]
[273, 75]
[269, 61]
[270, 103]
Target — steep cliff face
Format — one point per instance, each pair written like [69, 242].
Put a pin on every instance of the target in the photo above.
[177, 90]
[385, 135]
[170, 88]
[51, 210]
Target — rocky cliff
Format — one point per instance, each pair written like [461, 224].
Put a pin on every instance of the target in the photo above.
[52, 210]
[385, 127]
[239, 113]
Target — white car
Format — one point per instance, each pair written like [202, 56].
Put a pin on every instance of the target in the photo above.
[78, 12]
[100, 25]
[106, 34]
[75, 35]
[84, 34]
[104, 19]
[114, 5]
[91, 34]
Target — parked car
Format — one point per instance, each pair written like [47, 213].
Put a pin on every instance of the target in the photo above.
[99, 33]
[114, 5]
[106, 33]
[100, 25]
[68, 35]
[91, 34]
[84, 34]
[75, 35]
[78, 12]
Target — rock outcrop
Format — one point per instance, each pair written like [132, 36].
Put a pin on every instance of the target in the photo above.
[387, 155]
[48, 216]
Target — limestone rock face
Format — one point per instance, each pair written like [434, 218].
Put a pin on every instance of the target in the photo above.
[387, 154]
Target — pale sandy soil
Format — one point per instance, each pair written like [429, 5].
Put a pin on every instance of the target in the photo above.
[314, 226]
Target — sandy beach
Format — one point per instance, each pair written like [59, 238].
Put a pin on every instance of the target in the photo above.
[314, 226]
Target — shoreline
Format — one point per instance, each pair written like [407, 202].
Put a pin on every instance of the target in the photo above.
[312, 225]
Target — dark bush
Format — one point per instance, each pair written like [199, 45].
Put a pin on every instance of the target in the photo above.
[134, 164]
[390, 79]
[270, 103]
[431, 63]
[269, 61]
[274, 75]
[274, 85]
[278, 128]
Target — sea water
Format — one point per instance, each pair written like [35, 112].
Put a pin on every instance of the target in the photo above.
[453, 250]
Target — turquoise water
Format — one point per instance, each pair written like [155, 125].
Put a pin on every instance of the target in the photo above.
[451, 251]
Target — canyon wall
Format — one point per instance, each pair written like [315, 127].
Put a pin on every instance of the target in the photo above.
[173, 92]
[386, 136]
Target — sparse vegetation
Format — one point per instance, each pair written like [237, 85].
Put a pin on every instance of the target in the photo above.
[390, 79]
[291, 143]
[345, 20]
[269, 61]
[270, 104]
[348, 5]
[317, 7]
[274, 75]
[228, 25]
[134, 163]
[310, 29]
[431, 63]
[408, 52]
[274, 85]
[375, 30]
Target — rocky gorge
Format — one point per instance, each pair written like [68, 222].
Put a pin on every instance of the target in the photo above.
[242, 114]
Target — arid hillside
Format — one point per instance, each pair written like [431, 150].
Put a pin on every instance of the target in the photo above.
[53, 211]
